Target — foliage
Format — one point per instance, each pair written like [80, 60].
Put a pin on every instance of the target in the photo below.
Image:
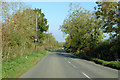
[50, 42]
[83, 30]
[41, 24]
[112, 64]
[18, 30]
[109, 13]
[86, 30]
[14, 27]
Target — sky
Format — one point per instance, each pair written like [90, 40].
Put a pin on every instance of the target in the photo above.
[56, 12]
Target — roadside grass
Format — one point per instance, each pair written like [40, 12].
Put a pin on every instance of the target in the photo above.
[49, 49]
[112, 64]
[16, 67]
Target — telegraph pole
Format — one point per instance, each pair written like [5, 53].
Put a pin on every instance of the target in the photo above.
[36, 32]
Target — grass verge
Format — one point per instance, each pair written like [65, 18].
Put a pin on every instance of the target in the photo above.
[112, 64]
[15, 67]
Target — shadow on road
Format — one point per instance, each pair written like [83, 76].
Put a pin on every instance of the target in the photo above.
[67, 55]
[62, 53]
[59, 50]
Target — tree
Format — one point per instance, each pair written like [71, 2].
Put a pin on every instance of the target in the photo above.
[109, 13]
[41, 24]
[83, 28]
[18, 29]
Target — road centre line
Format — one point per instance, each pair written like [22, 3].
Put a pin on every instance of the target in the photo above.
[69, 62]
[72, 64]
[86, 75]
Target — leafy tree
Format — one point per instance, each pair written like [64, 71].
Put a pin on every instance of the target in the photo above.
[41, 24]
[83, 28]
[109, 13]
[18, 29]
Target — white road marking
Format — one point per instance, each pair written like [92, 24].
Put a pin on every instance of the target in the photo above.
[86, 75]
[69, 62]
[72, 64]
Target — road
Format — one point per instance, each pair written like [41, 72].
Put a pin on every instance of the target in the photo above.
[59, 64]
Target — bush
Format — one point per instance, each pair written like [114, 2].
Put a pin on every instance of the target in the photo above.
[112, 64]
